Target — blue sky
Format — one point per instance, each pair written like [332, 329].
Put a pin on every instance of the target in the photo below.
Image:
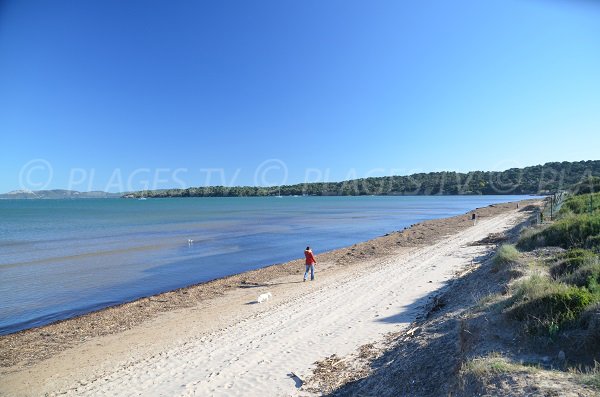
[121, 95]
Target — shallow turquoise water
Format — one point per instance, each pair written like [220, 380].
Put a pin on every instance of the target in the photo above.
[60, 258]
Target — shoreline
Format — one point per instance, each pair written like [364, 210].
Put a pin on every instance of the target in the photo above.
[33, 345]
[89, 266]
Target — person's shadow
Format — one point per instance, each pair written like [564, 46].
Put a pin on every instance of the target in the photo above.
[287, 282]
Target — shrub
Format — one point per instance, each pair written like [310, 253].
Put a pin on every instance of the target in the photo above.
[572, 232]
[531, 238]
[543, 304]
[588, 275]
[591, 322]
[505, 255]
[585, 187]
[569, 232]
[581, 204]
[570, 261]
[593, 243]
[576, 253]
[593, 284]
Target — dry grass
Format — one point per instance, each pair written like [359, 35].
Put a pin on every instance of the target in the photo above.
[589, 376]
[506, 255]
[490, 302]
[492, 364]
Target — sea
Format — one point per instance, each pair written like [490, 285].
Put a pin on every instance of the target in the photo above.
[63, 258]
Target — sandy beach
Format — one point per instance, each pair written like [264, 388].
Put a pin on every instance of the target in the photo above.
[214, 339]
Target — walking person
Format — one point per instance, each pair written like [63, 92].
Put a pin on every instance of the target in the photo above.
[310, 264]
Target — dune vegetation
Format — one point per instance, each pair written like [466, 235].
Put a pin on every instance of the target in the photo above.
[569, 283]
[552, 309]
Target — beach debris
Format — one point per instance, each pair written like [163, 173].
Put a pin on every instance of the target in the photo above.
[333, 371]
[158, 300]
[411, 332]
[335, 364]
[491, 239]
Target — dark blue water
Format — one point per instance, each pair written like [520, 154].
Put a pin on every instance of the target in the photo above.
[60, 258]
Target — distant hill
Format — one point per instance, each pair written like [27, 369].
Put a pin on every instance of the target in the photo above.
[56, 194]
[539, 179]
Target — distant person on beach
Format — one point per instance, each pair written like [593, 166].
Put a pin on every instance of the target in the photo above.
[310, 264]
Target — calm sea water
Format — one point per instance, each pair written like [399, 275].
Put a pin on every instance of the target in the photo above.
[60, 258]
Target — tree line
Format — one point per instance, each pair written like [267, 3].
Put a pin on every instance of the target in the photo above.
[539, 179]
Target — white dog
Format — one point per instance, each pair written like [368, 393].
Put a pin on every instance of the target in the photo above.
[264, 297]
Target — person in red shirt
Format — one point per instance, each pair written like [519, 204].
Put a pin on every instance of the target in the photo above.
[310, 264]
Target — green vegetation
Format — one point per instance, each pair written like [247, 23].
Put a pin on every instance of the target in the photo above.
[592, 379]
[591, 323]
[587, 275]
[530, 238]
[569, 232]
[571, 261]
[545, 305]
[589, 185]
[540, 179]
[593, 242]
[581, 204]
[589, 376]
[578, 226]
[505, 255]
[548, 304]
[559, 306]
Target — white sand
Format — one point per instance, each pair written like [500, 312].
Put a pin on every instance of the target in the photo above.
[228, 347]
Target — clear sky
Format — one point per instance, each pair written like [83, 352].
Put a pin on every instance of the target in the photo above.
[289, 91]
